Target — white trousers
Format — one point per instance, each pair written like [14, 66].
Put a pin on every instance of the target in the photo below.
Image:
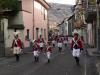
[76, 52]
[48, 55]
[59, 44]
[53, 41]
[36, 53]
[41, 44]
[16, 50]
[65, 42]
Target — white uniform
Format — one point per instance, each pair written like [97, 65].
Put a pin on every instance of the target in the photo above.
[65, 42]
[41, 44]
[36, 50]
[36, 53]
[59, 44]
[76, 52]
[48, 55]
[16, 50]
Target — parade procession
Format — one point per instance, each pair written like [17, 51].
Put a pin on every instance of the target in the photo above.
[47, 47]
[49, 37]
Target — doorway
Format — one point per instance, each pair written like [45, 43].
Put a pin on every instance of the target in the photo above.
[2, 47]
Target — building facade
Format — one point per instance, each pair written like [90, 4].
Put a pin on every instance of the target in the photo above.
[86, 20]
[53, 28]
[80, 21]
[26, 21]
[40, 19]
[91, 21]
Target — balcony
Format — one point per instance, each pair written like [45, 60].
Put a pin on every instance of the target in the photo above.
[91, 8]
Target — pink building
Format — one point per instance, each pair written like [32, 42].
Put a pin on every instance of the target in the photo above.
[34, 19]
[40, 19]
[27, 11]
[30, 21]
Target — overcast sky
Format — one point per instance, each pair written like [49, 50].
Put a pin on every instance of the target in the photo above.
[71, 2]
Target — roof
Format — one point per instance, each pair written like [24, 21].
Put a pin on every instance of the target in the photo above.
[44, 3]
[70, 17]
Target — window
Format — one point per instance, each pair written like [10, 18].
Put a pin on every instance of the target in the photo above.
[45, 34]
[41, 31]
[27, 36]
[41, 9]
[45, 14]
[37, 32]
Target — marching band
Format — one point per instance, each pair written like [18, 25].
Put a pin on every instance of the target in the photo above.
[40, 46]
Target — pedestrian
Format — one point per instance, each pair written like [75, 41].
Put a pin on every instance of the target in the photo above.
[36, 51]
[49, 51]
[65, 40]
[76, 47]
[41, 43]
[16, 46]
[53, 42]
[60, 42]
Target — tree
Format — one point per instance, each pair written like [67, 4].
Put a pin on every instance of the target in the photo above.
[12, 5]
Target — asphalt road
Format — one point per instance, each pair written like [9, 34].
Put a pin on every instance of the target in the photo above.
[61, 64]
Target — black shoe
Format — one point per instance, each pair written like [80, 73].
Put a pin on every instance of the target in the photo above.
[78, 64]
[60, 50]
[48, 60]
[37, 59]
[17, 60]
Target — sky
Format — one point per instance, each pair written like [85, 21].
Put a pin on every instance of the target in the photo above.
[70, 2]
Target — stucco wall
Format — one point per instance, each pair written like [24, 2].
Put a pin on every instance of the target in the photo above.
[27, 7]
[39, 21]
[9, 34]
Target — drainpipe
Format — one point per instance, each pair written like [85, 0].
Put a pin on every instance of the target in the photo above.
[33, 19]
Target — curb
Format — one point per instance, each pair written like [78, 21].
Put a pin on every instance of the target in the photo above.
[93, 52]
[98, 67]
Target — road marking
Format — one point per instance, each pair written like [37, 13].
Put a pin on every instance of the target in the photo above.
[66, 73]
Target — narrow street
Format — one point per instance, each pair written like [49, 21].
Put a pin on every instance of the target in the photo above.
[61, 64]
[36, 25]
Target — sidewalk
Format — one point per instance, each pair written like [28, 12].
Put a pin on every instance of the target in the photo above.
[93, 52]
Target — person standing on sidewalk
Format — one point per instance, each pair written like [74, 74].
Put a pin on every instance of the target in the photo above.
[16, 46]
[41, 43]
[48, 51]
[76, 47]
[60, 42]
[36, 51]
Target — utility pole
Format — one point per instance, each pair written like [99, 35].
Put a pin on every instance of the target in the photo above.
[98, 26]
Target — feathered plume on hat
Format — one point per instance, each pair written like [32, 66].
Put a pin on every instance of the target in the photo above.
[16, 33]
[75, 32]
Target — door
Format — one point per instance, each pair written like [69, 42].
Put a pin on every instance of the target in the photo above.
[2, 47]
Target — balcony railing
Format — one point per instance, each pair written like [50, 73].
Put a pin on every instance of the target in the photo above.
[91, 8]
